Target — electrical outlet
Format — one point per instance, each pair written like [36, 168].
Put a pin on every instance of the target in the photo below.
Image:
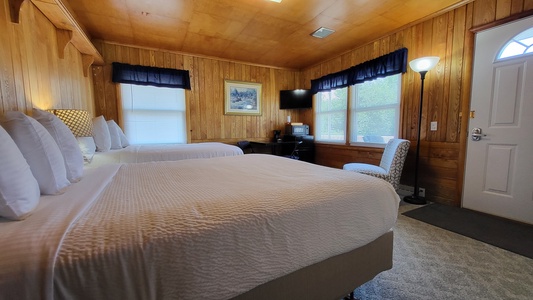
[434, 126]
[422, 192]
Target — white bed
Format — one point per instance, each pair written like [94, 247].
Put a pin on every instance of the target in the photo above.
[195, 229]
[163, 152]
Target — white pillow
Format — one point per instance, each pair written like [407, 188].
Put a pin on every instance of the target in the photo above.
[113, 133]
[101, 135]
[66, 142]
[123, 139]
[19, 191]
[40, 151]
[87, 147]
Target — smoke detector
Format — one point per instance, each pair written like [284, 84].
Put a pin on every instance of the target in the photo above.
[322, 32]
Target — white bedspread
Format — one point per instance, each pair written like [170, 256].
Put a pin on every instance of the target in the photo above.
[29, 247]
[163, 152]
[191, 229]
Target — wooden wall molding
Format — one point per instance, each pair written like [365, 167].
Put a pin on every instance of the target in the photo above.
[495, 23]
[32, 75]
[96, 41]
[87, 61]
[68, 29]
[63, 38]
[14, 10]
[61, 15]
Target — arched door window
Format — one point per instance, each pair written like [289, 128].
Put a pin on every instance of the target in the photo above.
[519, 45]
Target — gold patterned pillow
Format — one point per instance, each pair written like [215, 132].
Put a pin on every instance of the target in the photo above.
[77, 120]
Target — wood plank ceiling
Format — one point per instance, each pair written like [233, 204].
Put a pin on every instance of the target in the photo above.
[255, 31]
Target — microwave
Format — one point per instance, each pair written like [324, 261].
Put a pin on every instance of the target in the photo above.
[296, 129]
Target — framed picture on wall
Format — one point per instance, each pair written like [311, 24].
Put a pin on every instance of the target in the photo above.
[242, 98]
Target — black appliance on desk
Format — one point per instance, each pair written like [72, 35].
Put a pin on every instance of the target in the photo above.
[305, 150]
[301, 129]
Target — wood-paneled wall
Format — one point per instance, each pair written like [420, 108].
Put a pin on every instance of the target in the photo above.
[31, 72]
[446, 94]
[205, 100]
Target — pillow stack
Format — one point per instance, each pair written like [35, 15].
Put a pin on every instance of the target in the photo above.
[31, 164]
[117, 136]
[40, 151]
[92, 135]
[101, 135]
[65, 140]
[108, 135]
[19, 190]
[42, 156]
[79, 123]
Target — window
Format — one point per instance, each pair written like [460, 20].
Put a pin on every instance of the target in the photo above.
[330, 116]
[153, 114]
[375, 110]
[519, 45]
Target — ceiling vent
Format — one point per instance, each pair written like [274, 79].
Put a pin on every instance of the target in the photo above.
[322, 32]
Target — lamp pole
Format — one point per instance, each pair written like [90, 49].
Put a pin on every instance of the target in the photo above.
[422, 66]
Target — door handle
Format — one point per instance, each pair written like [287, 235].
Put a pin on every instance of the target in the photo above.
[477, 134]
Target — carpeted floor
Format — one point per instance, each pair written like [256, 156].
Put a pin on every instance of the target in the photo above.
[433, 263]
[502, 233]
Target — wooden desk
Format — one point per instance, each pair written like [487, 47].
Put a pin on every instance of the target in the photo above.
[274, 148]
[305, 147]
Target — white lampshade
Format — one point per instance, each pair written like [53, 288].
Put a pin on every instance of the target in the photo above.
[424, 63]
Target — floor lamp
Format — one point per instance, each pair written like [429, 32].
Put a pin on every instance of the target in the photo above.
[421, 65]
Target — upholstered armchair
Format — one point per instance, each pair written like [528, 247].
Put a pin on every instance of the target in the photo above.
[391, 165]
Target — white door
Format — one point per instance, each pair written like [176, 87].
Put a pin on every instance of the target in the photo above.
[499, 165]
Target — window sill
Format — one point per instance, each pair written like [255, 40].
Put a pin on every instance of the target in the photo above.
[370, 145]
[354, 146]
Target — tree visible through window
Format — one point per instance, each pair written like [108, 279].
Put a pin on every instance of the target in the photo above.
[375, 110]
[330, 116]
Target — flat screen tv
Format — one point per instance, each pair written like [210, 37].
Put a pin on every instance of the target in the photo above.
[294, 99]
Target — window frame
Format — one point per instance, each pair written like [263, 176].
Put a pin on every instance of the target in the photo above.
[352, 111]
[316, 99]
[186, 113]
[351, 90]
[517, 39]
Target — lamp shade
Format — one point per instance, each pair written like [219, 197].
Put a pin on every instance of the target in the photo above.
[424, 63]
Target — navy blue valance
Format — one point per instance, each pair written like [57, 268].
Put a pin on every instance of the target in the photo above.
[386, 65]
[142, 75]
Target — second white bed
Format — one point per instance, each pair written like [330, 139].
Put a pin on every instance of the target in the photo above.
[163, 152]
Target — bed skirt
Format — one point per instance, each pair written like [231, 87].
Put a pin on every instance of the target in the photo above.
[332, 278]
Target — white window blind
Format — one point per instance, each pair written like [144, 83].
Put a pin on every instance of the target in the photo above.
[153, 114]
